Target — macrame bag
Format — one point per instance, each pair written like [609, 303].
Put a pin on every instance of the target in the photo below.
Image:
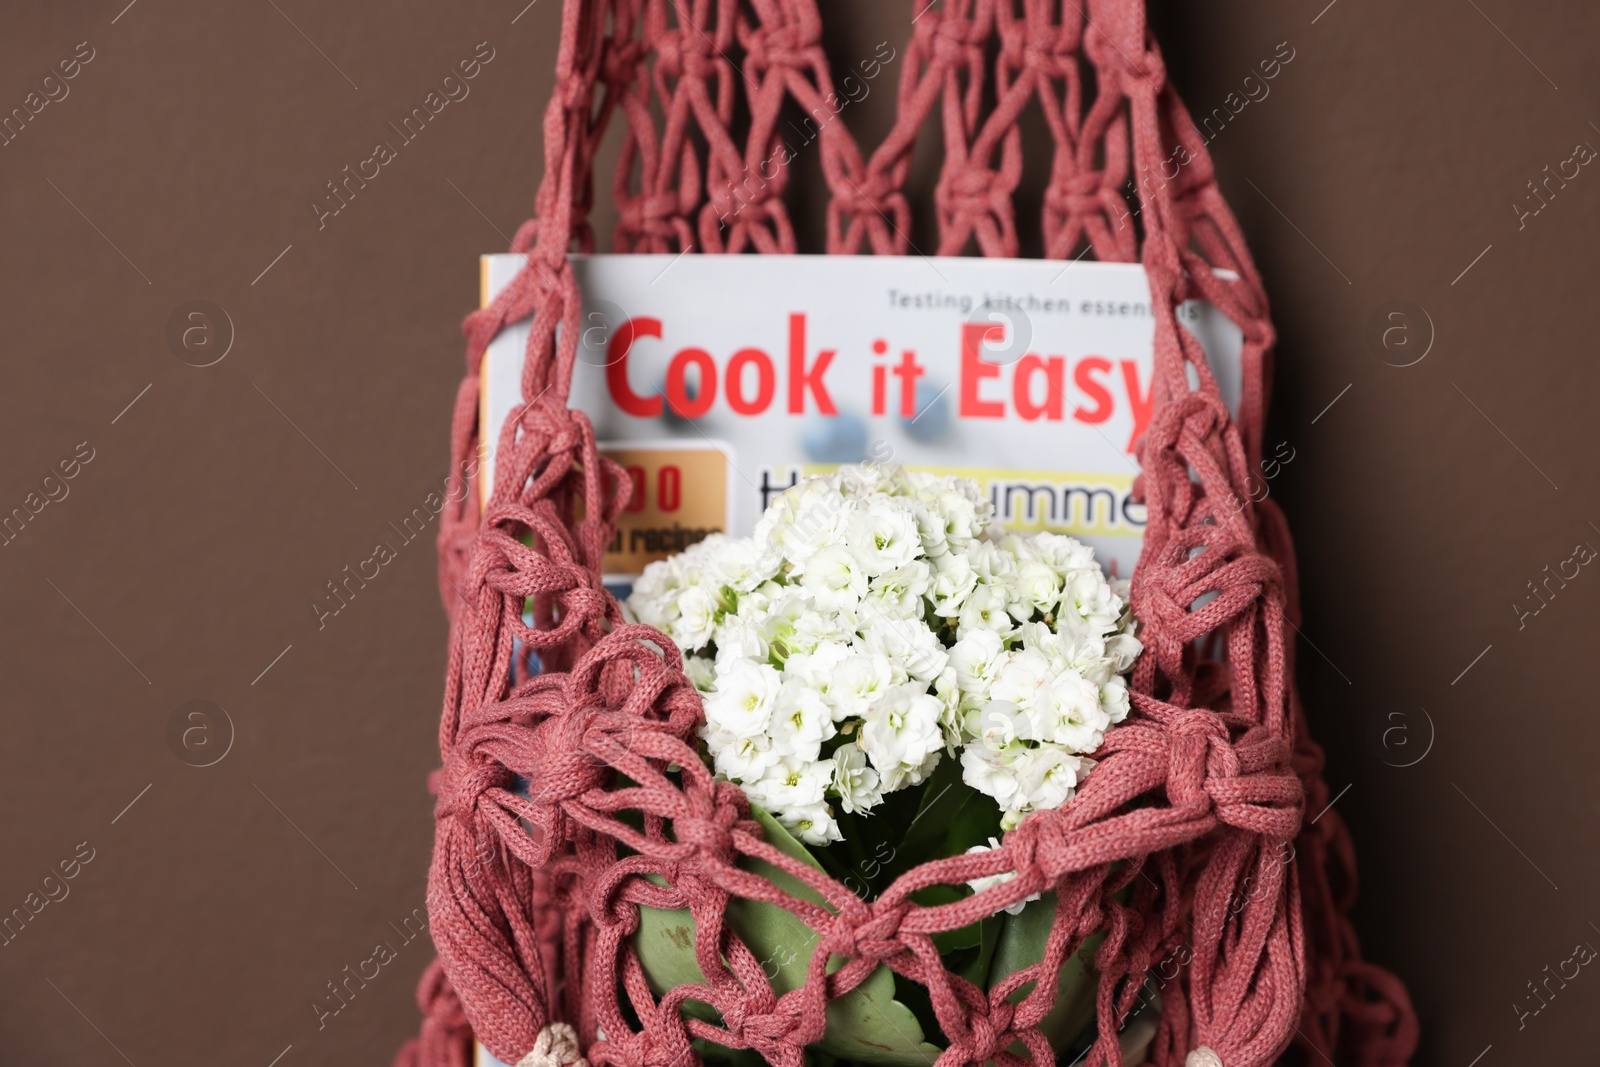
[1187, 842]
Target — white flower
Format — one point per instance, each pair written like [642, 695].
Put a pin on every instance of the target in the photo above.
[801, 722]
[741, 565]
[739, 759]
[1036, 588]
[855, 782]
[1020, 676]
[1023, 779]
[863, 479]
[835, 578]
[802, 521]
[1121, 651]
[700, 671]
[902, 737]
[1050, 774]
[906, 642]
[1088, 597]
[947, 690]
[952, 584]
[899, 592]
[1000, 723]
[1076, 650]
[818, 668]
[743, 699]
[1065, 554]
[977, 658]
[989, 881]
[791, 783]
[813, 824]
[859, 681]
[654, 600]
[985, 609]
[696, 564]
[778, 626]
[884, 537]
[813, 628]
[740, 637]
[995, 565]
[1067, 711]
[1114, 699]
[995, 772]
[963, 517]
[874, 623]
[930, 528]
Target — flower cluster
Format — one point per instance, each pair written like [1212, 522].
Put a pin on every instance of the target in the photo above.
[874, 624]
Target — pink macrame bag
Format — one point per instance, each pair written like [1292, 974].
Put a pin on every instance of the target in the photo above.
[1198, 796]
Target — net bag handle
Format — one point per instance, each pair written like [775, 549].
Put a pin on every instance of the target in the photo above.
[499, 917]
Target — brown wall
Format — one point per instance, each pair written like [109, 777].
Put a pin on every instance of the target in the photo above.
[183, 561]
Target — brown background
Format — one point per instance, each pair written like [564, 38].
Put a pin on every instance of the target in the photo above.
[187, 554]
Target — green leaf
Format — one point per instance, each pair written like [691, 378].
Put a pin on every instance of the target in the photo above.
[977, 971]
[866, 1025]
[951, 818]
[665, 943]
[1021, 944]
[973, 823]
[942, 796]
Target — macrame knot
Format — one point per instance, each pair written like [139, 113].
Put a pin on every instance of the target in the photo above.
[465, 777]
[956, 41]
[1252, 786]
[708, 837]
[619, 63]
[685, 55]
[1141, 68]
[651, 1053]
[988, 1033]
[560, 766]
[873, 196]
[641, 214]
[1022, 844]
[1258, 330]
[804, 1027]
[548, 415]
[574, 96]
[556, 1046]
[1082, 194]
[725, 795]
[583, 605]
[1023, 48]
[1191, 734]
[1203, 414]
[531, 575]
[775, 48]
[843, 935]
[747, 198]
[1169, 425]
[1158, 609]
[879, 936]
[774, 1033]
[840, 940]
[548, 272]
[973, 191]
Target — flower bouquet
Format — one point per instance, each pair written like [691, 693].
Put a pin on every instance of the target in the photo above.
[890, 680]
